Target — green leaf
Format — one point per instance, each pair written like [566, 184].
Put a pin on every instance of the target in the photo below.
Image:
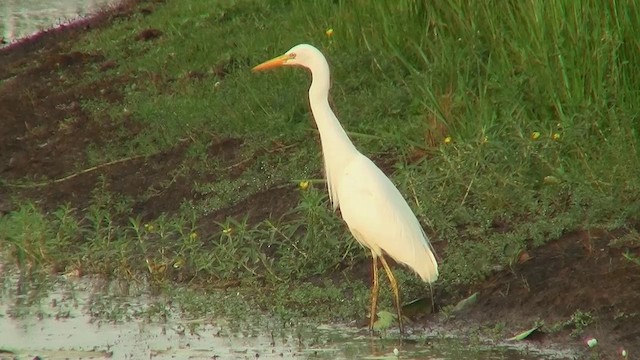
[466, 303]
[385, 319]
[525, 334]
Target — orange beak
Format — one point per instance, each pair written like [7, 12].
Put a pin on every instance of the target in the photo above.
[273, 63]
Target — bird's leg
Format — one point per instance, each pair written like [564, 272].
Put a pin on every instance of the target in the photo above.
[374, 292]
[396, 292]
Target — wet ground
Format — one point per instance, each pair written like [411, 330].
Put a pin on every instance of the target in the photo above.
[70, 318]
[20, 18]
[582, 271]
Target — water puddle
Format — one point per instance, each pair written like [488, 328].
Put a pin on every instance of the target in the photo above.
[59, 318]
[22, 18]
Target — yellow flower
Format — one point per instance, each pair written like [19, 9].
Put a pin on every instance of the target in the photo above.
[304, 185]
[227, 231]
[148, 227]
[448, 140]
[193, 235]
[555, 136]
[535, 135]
[329, 32]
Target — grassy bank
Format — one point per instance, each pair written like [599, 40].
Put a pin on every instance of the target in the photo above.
[504, 125]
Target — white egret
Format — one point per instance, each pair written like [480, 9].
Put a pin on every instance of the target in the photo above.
[375, 212]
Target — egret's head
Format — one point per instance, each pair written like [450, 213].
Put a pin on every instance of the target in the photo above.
[300, 55]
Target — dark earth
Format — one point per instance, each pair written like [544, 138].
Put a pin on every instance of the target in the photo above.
[582, 271]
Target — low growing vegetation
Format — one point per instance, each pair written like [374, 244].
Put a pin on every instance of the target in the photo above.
[504, 125]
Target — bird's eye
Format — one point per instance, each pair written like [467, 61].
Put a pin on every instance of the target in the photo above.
[292, 55]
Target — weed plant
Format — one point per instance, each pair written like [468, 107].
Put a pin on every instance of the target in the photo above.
[505, 124]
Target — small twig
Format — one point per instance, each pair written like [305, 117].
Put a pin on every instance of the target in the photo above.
[238, 164]
[85, 171]
[464, 198]
[280, 148]
[413, 192]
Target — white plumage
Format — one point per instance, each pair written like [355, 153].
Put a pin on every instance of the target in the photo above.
[381, 219]
[375, 212]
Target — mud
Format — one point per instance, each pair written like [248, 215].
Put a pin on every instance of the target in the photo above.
[583, 270]
[87, 319]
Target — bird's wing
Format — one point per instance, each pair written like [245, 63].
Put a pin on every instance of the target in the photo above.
[380, 218]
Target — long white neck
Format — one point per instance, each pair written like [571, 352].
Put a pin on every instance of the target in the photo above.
[337, 148]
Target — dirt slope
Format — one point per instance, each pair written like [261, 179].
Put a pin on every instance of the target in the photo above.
[583, 271]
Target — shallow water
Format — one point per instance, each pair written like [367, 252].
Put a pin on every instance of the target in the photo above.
[59, 318]
[20, 18]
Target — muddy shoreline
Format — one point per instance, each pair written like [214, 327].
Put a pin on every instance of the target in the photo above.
[583, 272]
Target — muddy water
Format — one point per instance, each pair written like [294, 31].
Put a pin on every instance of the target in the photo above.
[60, 318]
[20, 18]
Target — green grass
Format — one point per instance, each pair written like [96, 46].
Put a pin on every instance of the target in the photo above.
[407, 75]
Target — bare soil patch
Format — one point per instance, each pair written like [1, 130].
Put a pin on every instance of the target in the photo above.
[45, 134]
[583, 271]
